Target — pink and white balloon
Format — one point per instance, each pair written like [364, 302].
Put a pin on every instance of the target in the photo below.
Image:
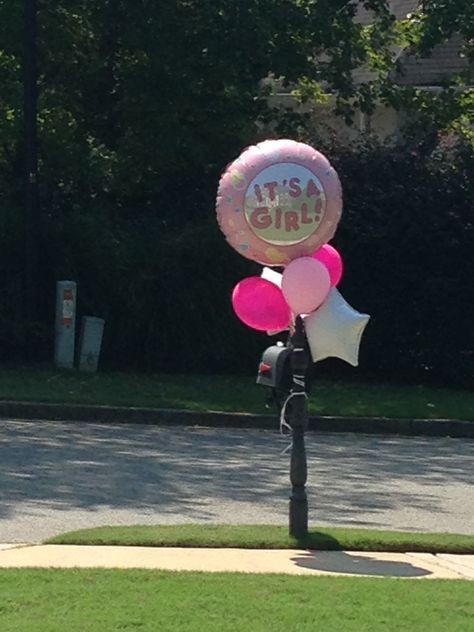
[278, 201]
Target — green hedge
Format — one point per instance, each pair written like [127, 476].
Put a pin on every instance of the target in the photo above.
[407, 236]
[163, 281]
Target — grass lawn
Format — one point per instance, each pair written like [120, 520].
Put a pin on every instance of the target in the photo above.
[103, 600]
[270, 537]
[230, 393]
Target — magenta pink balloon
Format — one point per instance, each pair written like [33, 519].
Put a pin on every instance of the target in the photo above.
[260, 304]
[305, 284]
[330, 258]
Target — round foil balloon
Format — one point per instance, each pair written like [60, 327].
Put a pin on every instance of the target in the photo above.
[278, 201]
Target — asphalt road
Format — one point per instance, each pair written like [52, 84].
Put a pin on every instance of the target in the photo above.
[57, 477]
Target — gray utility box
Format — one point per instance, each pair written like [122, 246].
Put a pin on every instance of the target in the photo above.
[65, 324]
[90, 342]
[273, 367]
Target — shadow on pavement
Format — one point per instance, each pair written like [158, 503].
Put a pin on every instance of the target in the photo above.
[187, 473]
[341, 562]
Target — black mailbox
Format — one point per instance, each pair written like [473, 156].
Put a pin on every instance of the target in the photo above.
[274, 367]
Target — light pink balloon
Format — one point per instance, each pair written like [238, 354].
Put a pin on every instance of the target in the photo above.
[260, 304]
[330, 258]
[305, 284]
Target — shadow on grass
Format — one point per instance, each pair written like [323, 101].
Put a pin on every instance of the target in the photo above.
[316, 540]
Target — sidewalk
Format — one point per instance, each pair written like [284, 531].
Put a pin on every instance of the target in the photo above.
[292, 562]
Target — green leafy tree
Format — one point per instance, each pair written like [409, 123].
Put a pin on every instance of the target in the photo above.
[433, 24]
[440, 19]
[141, 104]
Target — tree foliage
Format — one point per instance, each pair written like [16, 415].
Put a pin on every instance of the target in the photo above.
[440, 19]
[141, 105]
[135, 93]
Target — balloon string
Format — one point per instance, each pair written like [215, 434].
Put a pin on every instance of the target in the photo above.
[283, 422]
[299, 380]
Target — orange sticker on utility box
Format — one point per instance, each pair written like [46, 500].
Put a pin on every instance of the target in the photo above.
[68, 308]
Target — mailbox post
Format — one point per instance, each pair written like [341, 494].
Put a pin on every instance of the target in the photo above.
[283, 368]
[298, 418]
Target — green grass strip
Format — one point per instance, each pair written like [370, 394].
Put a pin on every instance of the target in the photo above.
[33, 600]
[231, 394]
[269, 537]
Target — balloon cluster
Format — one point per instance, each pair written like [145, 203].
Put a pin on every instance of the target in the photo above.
[306, 288]
[279, 203]
[269, 303]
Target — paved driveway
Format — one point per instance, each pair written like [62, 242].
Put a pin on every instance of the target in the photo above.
[56, 477]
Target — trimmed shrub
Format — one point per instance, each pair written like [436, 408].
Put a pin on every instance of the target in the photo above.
[163, 283]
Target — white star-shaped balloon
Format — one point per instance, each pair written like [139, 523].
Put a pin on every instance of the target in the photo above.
[334, 330]
[272, 276]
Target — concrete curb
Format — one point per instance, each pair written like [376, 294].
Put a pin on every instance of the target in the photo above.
[122, 414]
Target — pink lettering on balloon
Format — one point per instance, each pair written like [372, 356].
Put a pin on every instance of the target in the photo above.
[278, 214]
[260, 218]
[305, 219]
[291, 221]
[319, 205]
[295, 189]
[258, 193]
[312, 189]
[271, 186]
